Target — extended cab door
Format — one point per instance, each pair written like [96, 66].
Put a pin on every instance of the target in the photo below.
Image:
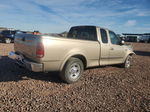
[116, 51]
[104, 44]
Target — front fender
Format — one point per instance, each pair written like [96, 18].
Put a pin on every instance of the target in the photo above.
[129, 52]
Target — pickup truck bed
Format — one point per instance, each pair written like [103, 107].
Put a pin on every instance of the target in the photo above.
[56, 50]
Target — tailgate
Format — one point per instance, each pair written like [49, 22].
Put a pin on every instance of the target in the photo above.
[26, 45]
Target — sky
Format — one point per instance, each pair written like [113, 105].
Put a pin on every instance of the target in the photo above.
[55, 16]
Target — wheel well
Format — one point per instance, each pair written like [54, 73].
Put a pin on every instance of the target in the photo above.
[82, 58]
[131, 54]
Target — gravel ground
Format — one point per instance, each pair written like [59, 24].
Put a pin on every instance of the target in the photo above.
[104, 89]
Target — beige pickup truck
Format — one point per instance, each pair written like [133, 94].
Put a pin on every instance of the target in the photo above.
[84, 47]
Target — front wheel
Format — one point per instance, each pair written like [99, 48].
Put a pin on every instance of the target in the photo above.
[72, 70]
[149, 40]
[127, 63]
[7, 40]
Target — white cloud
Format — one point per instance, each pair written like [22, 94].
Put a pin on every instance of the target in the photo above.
[131, 23]
[143, 13]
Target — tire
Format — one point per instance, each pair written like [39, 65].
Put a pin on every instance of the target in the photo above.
[146, 41]
[127, 63]
[72, 70]
[7, 40]
[149, 40]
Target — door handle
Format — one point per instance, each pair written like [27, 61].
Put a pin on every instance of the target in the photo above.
[111, 48]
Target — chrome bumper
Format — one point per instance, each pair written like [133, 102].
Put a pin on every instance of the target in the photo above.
[35, 67]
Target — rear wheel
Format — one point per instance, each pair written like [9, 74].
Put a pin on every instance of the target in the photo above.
[72, 70]
[7, 40]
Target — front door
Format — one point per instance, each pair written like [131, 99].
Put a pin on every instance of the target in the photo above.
[116, 51]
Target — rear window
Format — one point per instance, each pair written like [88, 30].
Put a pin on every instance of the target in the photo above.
[8, 32]
[83, 33]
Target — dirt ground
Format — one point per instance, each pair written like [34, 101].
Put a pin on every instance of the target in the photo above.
[103, 89]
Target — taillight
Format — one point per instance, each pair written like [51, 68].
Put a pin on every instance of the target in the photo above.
[40, 50]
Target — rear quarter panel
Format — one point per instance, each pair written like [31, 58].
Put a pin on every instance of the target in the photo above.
[59, 50]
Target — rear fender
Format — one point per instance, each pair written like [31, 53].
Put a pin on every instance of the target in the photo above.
[69, 56]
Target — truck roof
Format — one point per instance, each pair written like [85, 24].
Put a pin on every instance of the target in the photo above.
[91, 26]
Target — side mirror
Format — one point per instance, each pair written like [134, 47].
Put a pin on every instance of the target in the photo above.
[122, 42]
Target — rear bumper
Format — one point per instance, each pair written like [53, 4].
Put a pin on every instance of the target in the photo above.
[21, 61]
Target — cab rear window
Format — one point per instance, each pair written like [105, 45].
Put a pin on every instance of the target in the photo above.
[83, 33]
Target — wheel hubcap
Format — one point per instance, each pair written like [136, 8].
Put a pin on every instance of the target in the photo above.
[74, 71]
[8, 41]
[128, 63]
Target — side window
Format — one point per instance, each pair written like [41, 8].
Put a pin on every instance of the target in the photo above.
[104, 36]
[114, 39]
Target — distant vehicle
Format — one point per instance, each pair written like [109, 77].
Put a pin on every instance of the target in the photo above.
[84, 47]
[132, 38]
[145, 38]
[36, 33]
[8, 36]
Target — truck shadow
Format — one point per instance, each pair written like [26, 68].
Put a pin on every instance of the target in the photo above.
[142, 53]
[9, 71]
